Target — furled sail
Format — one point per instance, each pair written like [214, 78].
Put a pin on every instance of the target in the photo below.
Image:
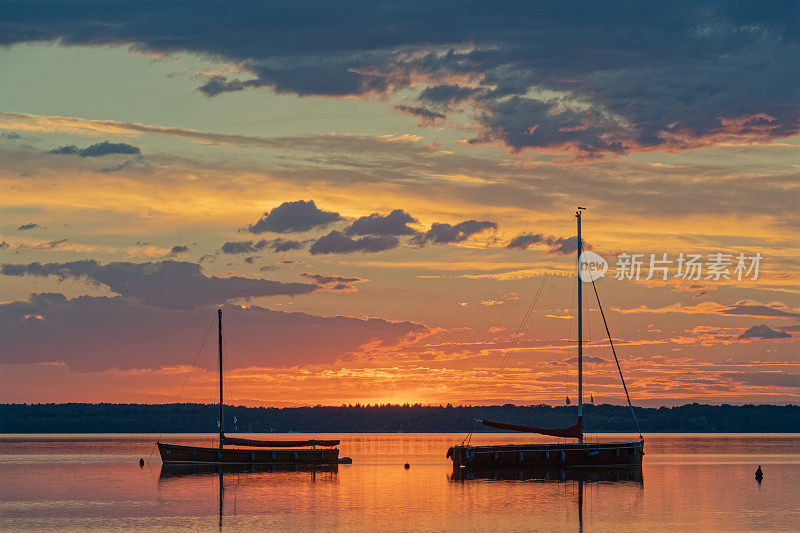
[276, 443]
[575, 431]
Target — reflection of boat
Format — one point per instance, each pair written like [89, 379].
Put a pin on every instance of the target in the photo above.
[562, 455]
[238, 474]
[624, 475]
[278, 452]
[612, 474]
[179, 470]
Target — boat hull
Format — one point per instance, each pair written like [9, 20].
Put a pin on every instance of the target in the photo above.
[549, 456]
[180, 454]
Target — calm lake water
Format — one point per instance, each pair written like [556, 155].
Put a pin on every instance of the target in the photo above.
[688, 483]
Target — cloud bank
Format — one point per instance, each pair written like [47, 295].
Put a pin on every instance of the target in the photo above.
[599, 81]
[96, 333]
[167, 284]
[97, 150]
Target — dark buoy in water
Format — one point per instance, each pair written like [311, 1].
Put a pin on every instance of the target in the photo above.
[406, 466]
[141, 462]
[759, 474]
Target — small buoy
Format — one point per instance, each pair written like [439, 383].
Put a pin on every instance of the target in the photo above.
[759, 473]
[406, 466]
[141, 462]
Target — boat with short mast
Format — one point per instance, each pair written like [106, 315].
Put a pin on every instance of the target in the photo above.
[557, 455]
[249, 451]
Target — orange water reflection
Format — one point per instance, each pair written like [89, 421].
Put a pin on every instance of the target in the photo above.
[687, 482]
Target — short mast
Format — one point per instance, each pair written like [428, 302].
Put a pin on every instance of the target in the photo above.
[221, 420]
[580, 326]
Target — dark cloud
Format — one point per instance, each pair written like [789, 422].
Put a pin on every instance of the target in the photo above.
[447, 95]
[595, 80]
[244, 247]
[97, 150]
[337, 242]
[558, 245]
[441, 233]
[587, 359]
[524, 241]
[428, 117]
[521, 122]
[29, 226]
[219, 84]
[325, 280]
[116, 168]
[284, 245]
[767, 379]
[565, 245]
[763, 332]
[178, 249]
[51, 245]
[294, 217]
[97, 333]
[745, 308]
[65, 150]
[395, 223]
[168, 284]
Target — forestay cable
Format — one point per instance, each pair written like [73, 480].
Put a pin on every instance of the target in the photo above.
[185, 381]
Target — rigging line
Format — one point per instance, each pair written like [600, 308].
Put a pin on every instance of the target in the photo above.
[468, 438]
[517, 333]
[611, 418]
[616, 359]
[185, 381]
[526, 317]
[572, 380]
[588, 355]
[227, 378]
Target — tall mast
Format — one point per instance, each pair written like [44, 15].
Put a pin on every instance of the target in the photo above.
[580, 325]
[221, 420]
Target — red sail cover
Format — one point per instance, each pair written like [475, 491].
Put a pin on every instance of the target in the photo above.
[574, 432]
[277, 443]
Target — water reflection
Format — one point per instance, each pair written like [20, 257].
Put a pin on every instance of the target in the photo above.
[179, 470]
[53, 483]
[631, 474]
[627, 475]
[246, 474]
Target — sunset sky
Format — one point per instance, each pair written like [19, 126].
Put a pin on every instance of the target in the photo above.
[376, 192]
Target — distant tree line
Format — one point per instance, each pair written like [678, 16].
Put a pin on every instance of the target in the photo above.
[202, 418]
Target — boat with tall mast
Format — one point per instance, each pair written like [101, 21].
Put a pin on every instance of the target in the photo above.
[557, 455]
[249, 451]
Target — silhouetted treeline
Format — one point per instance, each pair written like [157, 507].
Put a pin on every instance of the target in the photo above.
[202, 418]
